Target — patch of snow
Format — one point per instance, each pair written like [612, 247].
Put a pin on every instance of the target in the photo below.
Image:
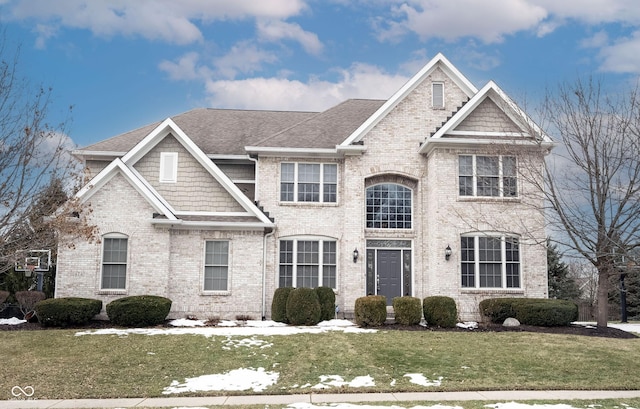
[467, 325]
[183, 322]
[336, 323]
[328, 381]
[11, 321]
[230, 328]
[236, 380]
[245, 342]
[625, 327]
[420, 379]
[516, 405]
[304, 405]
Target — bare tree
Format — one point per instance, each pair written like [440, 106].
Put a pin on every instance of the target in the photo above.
[33, 154]
[592, 183]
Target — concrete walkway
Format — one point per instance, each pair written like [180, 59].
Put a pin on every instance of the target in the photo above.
[494, 396]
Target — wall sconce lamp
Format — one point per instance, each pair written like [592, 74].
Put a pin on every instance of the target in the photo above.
[447, 253]
[355, 255]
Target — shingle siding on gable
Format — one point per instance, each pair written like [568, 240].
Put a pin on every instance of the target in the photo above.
[488, 117]
[196, 189]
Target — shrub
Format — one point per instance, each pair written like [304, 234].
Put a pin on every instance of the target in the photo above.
[327, 299]
[139, 310]
[303, 307]
[440, 311]
[407, 310]
[279, 304]
[546, 313]
[3, 296]
[541, 312]
[27, 300]
[371, 311]
[62, 312]
[498, 309]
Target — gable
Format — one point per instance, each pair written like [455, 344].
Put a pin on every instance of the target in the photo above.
[195, 189]
[488, 117]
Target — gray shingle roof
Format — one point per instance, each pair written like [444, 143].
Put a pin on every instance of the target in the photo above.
[228, 131]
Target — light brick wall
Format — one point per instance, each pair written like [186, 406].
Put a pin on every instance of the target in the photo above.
[196, 189]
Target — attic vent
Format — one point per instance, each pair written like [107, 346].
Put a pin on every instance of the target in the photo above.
[168, 167]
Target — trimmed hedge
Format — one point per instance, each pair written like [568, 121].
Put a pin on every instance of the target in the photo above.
[279, 304]
[327, 299]
[540, 312]
[407, 310]
[371, 311]
[303, 307]
[62, 312]
[440, 311]
[139, 310]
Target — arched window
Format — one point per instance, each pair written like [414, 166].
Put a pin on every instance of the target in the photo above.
[388, 206]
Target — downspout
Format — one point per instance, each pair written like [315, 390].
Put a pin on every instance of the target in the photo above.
[264, 273]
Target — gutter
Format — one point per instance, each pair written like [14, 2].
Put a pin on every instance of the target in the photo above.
[264, 273]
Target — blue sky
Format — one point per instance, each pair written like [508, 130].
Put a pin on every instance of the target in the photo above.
[123, 64]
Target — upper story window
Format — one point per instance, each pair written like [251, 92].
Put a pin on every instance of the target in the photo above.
[437, 95]
[488, 261]
[388, 206]
[487, 176]
[114, 261]
[308, 182]
[307, 263]
[216, 266]
[168, 167]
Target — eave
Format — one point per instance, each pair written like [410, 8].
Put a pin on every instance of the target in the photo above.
[208, 225]
[336, 153]
[474, 143]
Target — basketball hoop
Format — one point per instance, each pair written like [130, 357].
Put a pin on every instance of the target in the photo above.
[28, 272]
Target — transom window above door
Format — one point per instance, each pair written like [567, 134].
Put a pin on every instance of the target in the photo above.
[389, 206]
[308, 182]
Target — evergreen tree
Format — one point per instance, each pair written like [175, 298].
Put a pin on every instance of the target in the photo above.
[561, 285]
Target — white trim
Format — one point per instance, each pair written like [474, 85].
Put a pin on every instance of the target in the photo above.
[492, 134]
[182, 224]
[226, 291]
[115, 236]
[294, 261]
[460, 143]
[503, 261]
[298, 152]
[438, 61]
[211, 214]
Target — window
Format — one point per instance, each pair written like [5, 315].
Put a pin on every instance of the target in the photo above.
[388, 206]
[168, 167]
[216, 266]
[114, 262]
[490, 262]
[437, 93]
[307, 263]
[487, 176]
[308, 182]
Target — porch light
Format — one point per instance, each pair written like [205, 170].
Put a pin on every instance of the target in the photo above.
[447, 252]
[355, 255]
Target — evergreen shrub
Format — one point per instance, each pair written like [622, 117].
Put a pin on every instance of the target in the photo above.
[62, 312]
[440, 311]
[327, 299]
[371, 311]
[303, 307]
[139, 310]
[541, 312]
[407, 310]
[279, 304]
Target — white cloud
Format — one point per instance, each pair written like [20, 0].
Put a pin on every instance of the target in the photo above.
[165, 20]
[359, 81]
[599, 39]
[275, 30]
[488, 21]
[186, 68]
[623, 56]
[245, 58]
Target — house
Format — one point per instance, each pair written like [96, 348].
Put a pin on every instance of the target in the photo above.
[422, 194]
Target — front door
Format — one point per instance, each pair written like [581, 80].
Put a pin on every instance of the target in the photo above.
[389, 268]
[389, 265]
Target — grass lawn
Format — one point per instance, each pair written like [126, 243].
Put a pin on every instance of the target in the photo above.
[59, 364]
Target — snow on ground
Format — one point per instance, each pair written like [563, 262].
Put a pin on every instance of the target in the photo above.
[11, 321]
[420, 379]
[505, 405]
[256, 380]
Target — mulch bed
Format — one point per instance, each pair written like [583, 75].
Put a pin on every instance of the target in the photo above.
[580, 330]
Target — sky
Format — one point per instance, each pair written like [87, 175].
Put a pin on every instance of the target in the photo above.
[123, 64]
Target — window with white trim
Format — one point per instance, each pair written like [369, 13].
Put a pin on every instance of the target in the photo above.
[307, 263]
[487, 176]
[216, 265]
[490, 261]
[437, 95]
[388, 206]
[114, 262]
[168, 167]
[308, 182]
